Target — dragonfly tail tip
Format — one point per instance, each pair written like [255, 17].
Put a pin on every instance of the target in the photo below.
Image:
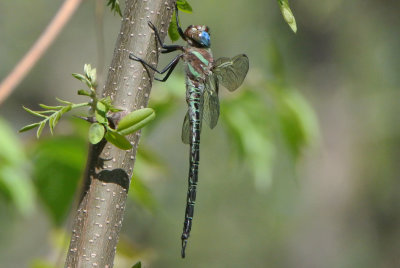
[184, 242]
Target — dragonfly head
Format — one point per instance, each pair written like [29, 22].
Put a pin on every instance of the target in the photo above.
[198, 35]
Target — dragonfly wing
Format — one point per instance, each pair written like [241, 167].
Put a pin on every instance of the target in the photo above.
[186, 129]
[211, 102]
[231, 72]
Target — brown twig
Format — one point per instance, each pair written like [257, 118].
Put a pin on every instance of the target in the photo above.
[45, 40]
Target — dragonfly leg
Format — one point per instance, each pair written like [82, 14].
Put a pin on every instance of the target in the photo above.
[166, 48]
[170, 66]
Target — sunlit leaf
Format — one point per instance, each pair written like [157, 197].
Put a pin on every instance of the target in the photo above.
[82, 78]
[40, 129]
[29, 127]
[96, 133]
[135, 121]
[64, 101]
[48, 107]
[101, 112]
[33, 112]
[90, 74]
[287, 14]
[52, 123]
[54, 119]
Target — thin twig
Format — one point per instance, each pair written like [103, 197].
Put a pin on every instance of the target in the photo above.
[45, 40]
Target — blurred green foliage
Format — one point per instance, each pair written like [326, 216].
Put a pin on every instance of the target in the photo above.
[58, 165]
[15, 184]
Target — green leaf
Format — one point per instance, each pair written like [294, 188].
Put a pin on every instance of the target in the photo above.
[64, 101]
[115, 109]
[34, 113]
[184, 6]
[93, 76]
[51, 123]
[137, 265]
[287, 14]
[54, 120]
[29, 127]
[90, 74]
[87, 68]
[135, 121]
[40, 129]
[114, 4]
[101, 112]
[118, 140]
[84, 92]
[82, 79]
[106, 101]
[96, 133]
[173, 30]
[65, 109]
[50, 107]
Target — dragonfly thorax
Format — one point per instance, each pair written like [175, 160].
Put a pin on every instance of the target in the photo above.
[198, 36]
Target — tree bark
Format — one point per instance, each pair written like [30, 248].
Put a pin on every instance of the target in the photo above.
[99, 217]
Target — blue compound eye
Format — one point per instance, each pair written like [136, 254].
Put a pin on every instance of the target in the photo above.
[205, 39]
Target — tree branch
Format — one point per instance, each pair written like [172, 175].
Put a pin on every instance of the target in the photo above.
[99, 217]
[33, 55]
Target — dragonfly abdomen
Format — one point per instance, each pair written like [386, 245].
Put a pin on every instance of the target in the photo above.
[193, 99]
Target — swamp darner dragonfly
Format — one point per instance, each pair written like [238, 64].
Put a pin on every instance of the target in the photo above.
[203, 76]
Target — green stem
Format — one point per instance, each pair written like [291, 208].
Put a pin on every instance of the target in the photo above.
[78, 105]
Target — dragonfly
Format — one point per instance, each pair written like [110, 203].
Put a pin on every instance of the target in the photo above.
[203, 77]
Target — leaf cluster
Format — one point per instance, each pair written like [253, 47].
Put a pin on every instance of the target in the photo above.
[50, 115]
[101, 109]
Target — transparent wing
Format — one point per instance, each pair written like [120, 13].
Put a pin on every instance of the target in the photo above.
[231, 72]
[211, 102]
[185, 136]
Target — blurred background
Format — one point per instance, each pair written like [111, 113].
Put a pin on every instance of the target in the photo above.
[301, 171]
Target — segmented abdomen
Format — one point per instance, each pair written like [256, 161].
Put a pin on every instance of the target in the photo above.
[193, 99]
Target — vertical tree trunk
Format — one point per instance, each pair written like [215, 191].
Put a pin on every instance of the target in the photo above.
[99, 218]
